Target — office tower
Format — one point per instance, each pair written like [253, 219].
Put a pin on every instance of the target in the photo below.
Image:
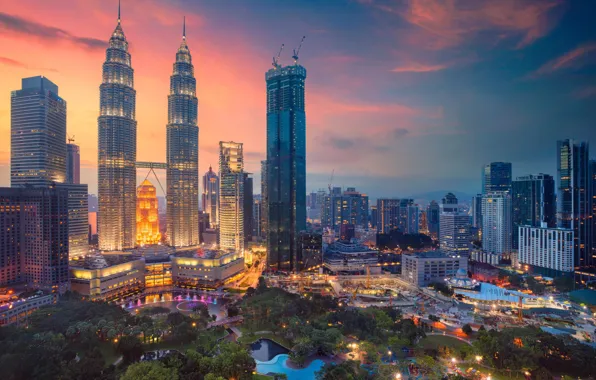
[73, 163]
[183, 152]
[211, 196]
[117, 148]
[310, 251]
[247, 208]
[286, 163]
[231, 196]
[34, 235]
[433, 212]
[454, 231]
[78, 218]
[477, 211]
[264, 203]
[545, 250]
[349, 207]
[38, 134]
[373, 216]
[496, 176]
[574, 200]
[534, 202]
[412, 223]
[496, 224]
[387, 215]
[147, 216]
[256, 217]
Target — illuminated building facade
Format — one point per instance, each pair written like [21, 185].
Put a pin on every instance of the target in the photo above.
[349, 207]
[497, 225]
[548, 251]
[117, 148]
[38, 134]
[496, 176]
[286, 164]
[147, 215]
[78, 218]
[231, 196]
[182, 152]
[108, 277]
[211, 196]
[454, 231]
[208, 268]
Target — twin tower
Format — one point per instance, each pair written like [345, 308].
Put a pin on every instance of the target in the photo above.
[117, 152]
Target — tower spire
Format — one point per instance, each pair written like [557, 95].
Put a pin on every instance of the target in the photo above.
[184, 28]
[118, 11]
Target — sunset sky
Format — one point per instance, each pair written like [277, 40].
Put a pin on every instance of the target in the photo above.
[403, 96]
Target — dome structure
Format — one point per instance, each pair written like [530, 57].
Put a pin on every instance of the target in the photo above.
[461, 280]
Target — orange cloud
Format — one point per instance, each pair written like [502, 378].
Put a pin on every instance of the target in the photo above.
[576, 58]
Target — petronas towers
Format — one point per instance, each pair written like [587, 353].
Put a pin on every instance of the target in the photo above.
[117, 150]
[183, 152]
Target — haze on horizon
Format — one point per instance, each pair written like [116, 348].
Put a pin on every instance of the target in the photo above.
[403, 97]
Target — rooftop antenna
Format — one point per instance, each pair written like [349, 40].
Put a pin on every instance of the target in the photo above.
[297, 50]
[184, 28]
[276, 59]
[118, 11]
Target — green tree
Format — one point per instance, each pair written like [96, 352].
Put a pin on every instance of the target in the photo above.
[467, 329]
[130, 347]
[153, 370]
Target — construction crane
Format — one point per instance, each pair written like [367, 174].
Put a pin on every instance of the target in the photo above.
[297, 50]
[355, 293]
[71, 139]
[331, 181]
[276, 59]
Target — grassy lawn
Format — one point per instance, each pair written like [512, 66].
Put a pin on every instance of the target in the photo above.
[434, 341]
[258, 376]
[247, 339]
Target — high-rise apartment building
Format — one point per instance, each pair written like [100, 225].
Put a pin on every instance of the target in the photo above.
[231, 196]
[247, 208]
[117, 148]
[183, 152]
[497, 224]
[256, 216]
[34, 236]
[147, 215]
[433, 212]
[350, 207]
[533, 200]
[545, 250]
[78, 218]
[454, 230]
[38, 134]
[73, 163]
[286, 164]
[574, 200]
[399, 214]
[496, 176]
[211, 196]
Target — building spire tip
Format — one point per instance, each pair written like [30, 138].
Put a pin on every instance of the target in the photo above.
[118, 11]
[184, 27]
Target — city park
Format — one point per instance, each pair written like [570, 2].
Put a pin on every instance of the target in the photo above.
[300, 329]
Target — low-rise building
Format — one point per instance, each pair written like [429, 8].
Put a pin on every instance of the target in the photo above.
[424, 268]
[108, 277]
[483, 272]
[205, 268]
[350, 257]
[17, 311]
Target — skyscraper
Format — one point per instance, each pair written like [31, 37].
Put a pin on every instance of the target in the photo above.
[454, 232]
[231, 196]
[34, 225]
[574, 200]
[183, 152]
[78, 218]
[117, 148]
[349, 207]
[534, 202]
[496, 225]
[496, 176]
[147, 215]
[433, 212]
[264, 203]
[247, 208]
[38, 134]
[477, 211]
[399, 214]
[73, 163]
[211, 196]
[286, 164]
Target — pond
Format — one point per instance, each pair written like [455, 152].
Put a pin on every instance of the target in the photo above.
[265, 349]
[278, 365]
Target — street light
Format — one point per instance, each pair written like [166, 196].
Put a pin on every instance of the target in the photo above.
[398, 375]
[453, 360]
[478, 358]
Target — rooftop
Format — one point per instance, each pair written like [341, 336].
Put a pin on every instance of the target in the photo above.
[201, 253]
[101, 261]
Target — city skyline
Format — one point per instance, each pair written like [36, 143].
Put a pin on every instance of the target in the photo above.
[447, 90]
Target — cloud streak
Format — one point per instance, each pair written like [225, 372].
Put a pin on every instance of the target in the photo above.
[23, 27]
[419, 68]
[12, 62]
[580, 56]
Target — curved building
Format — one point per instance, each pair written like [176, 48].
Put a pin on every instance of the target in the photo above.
[183, 152]
[117, 151]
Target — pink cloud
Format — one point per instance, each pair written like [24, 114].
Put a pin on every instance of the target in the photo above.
[441, 24]
[419, 68]
[576, 58]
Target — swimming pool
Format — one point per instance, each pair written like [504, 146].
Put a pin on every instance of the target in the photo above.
[278, 365]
